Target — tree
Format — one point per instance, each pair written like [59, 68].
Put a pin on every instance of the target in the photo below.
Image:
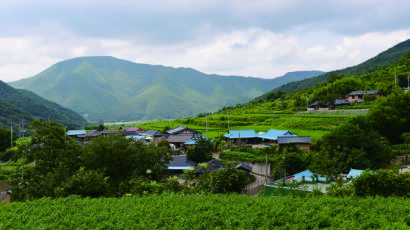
[391, 117]
[351, 145]
[121, 158]
[56, 155]
[54, 152]
[201, 151]
[224, 180]
[5, 139]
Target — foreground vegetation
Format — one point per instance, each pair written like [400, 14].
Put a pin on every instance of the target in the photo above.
[175, 211]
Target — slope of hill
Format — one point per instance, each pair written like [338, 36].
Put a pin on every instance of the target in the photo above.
[110, 89]
[19, 104]
[385, 58]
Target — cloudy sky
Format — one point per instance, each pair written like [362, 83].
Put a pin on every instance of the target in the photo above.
[260, 38]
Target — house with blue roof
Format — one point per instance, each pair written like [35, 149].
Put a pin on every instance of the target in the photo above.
[354, 173]
[242, 137]
[272, 135]
[76, 133]
[251, 137]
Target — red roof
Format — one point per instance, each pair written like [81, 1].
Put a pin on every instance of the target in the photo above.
[134, 129]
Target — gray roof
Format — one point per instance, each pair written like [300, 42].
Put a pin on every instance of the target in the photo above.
[155, 133]
[343, 102]
[293, 140]
[109, 131]
[179, 138]
[181, 129]
[314, 104]
[364, 92]
[244, 166]
[180, 162]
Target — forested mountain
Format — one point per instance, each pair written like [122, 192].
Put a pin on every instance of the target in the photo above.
[383, 59]
[336, 87]
[110, 89]
[16, 104]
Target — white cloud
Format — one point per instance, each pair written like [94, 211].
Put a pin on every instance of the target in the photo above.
[250, 52]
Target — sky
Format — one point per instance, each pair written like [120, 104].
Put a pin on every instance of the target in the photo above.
[259, 38]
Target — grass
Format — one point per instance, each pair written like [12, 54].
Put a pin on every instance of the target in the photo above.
[313, 125]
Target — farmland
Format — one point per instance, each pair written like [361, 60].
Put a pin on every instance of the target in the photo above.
[314, 125]
[176, 211]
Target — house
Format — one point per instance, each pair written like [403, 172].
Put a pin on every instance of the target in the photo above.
[359, 95]
[343, 102]
[153, 135]
[179, 140]
[89, 135]
[244, 167]
[242, 137]
[181, 130]
[354, 173]
[5, 191]
[131, 130]
[313, 106]
[180, 163]
[271, 137]
[299, 141]
[109, 132]
[212, 166]
[76, 133]
[305, 182]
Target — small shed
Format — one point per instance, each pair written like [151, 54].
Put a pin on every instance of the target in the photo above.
[244, 167]
[212, 166]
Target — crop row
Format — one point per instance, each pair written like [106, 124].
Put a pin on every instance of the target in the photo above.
[177, 211]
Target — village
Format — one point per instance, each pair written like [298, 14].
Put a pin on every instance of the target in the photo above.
[181, 138]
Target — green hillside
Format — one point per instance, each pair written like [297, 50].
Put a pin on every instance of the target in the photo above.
[110, 89]
[19, 104]
[383, 59]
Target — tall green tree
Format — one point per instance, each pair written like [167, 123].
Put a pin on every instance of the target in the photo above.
[121, 158]
[202, 150]
[56, 157]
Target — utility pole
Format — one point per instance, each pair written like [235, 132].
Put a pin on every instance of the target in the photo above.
[11, 134]
[307, 102]
[22, 169]
[227, 113]
[266, 168]
[206, 124]
[394, 78]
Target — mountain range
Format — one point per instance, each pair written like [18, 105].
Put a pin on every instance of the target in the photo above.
[111, 89]
[18, 104]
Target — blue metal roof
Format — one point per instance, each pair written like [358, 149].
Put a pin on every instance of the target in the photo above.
[354, 173]
[273, 134]
[76, 132]
[299, 176]
[193, 140]
[250, 133]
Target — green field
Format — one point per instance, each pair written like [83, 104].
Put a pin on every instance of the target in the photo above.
[300, 124]
[177, 211]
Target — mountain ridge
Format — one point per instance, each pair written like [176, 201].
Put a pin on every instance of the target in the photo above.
[111, 89]
[377, 62]
[19, 104]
